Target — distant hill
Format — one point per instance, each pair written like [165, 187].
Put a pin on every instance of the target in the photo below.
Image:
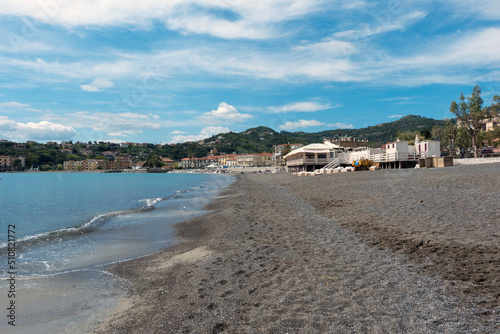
[261, 139]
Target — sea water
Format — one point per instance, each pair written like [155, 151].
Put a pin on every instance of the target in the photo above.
[68, 226]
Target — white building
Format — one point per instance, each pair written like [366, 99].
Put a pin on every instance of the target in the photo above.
[398, 154]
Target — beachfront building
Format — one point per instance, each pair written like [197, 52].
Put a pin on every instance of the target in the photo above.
[8, 162]
[186, 163]
[223, 159]
[5, 162]
[255, 160]
[139, 165]
[97, 164]
[311, 157]
[73, 165]
[198, 163]
[398, 154]
[231, 162]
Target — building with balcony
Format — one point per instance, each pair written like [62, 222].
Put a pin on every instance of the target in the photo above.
[398, 154]
[311, 157]
[5, 162]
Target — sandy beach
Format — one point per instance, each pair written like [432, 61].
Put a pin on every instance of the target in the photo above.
[392, 251]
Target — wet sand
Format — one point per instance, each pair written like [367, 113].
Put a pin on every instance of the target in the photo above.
[390, 251]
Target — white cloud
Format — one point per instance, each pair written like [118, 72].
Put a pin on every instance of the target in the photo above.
[117, 134]
[114, 124]
[322, 60]
[329, 47]
[224, 113]
[485, 10]
[177, 132]
[448, 61]
[97, 84]
[354, 4]
[395, 116]
[340, 126]
[205, 133]
[247, 19]
[13, 105]
[35, 131]
[475, 48]
[6, 124]
[301, 107]
[381, 25]
[301, 123]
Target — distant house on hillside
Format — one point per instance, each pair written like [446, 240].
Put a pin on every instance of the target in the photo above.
[167, 163]
[108, 154]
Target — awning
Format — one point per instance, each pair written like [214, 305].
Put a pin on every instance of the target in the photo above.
[317, 151]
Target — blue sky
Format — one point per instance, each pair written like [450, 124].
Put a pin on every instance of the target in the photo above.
[173, 71]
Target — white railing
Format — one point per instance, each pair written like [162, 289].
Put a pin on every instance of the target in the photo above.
[296, 162]
[347, 158]
[388, 157]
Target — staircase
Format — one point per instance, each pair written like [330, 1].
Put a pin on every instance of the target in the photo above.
[332, 164]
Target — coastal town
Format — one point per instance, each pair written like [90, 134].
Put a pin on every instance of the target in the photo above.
[404, 143]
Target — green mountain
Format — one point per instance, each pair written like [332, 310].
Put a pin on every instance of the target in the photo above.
[262, 139]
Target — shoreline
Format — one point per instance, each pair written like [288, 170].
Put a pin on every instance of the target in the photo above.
[271, 257]
[77, 298]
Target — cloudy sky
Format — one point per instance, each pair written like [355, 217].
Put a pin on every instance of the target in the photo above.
[179, 70]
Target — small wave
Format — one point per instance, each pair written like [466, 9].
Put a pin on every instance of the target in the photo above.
[150, 203]
[63, 232]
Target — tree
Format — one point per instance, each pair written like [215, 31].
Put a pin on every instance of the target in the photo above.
[470, 114]
[450, 134]
[17, 164]
[425, 133]
[154, 161]
[410, 136]
[287, 149]
[436, 132]
[463, 140]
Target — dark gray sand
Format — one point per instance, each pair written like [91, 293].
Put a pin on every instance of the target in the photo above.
[410, 251]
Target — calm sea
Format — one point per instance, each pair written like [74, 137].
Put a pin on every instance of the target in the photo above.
[73, 221]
